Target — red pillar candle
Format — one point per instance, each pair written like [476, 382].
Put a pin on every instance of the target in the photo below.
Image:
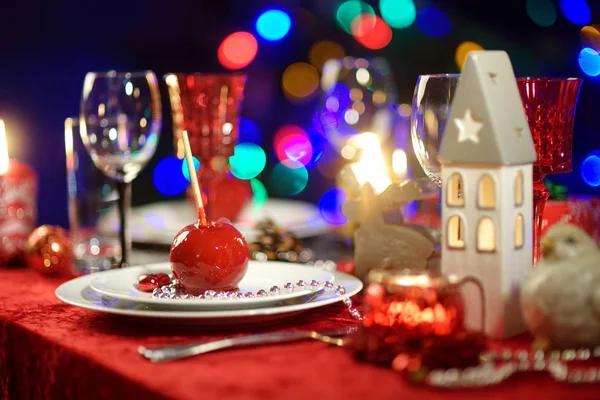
[18, 192]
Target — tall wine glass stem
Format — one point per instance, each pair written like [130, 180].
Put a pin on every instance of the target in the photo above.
[124, 189]
[540, 196]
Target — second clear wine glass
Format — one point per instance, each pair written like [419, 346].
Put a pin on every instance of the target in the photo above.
[432, 101]
[120, 123]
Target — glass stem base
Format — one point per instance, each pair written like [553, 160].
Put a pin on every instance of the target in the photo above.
[540, 196]
[124, 189]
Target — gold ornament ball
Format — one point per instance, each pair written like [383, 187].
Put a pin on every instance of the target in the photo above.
[49, 250]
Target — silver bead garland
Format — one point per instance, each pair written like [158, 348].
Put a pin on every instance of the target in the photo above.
[174, 291]
[511, 362]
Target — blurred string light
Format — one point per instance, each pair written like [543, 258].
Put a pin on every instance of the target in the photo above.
[590, 170]
[248, 161]
[398, 14]
[299, 81]
[348, 11]
[433, 21]
[463, 50]
[273, 25]
[541, 12]
[330, 206]
[289, 179]
[363, 77]
[589, 61]
[183, 167]
[325, 50]
[237, 50]
[319, 143]
[576, 11]
[590, 37]
[371, 31]
[168, 178]
[259, 194]
[404, 110]
[293, 144]
[249, 132]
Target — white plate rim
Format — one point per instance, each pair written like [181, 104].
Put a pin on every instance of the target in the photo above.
[81, 283]
[198, 303]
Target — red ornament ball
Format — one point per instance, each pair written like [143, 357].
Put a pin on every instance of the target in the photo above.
[213, 256]
[49, 250]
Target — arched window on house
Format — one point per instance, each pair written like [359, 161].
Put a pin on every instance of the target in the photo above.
[486, 197]
[519, 189]
[455, 191]
[486, 235]
[519, 234]
[456, 232]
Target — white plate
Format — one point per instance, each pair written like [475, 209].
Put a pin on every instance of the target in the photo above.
[160, 222]
[77, 292]
[121, 284]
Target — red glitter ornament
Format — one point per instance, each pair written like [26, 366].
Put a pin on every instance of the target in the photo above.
[49, 250]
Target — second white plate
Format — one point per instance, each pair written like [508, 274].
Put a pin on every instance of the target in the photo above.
[160, 222]
[122, 284]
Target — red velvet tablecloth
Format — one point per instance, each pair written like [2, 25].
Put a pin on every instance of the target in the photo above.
[50, 350]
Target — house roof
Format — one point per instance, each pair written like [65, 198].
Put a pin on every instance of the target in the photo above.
[487, 123]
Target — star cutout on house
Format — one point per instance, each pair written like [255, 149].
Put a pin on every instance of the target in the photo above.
[518, 131]
[468, 128]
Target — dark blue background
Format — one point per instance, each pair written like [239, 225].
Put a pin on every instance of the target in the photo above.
[47, 47]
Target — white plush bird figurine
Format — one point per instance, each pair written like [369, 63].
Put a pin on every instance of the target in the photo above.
[560, 297]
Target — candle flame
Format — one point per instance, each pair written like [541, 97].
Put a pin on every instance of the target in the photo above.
[69, 143]
[3, 149]
[399, 162]
[371, 168]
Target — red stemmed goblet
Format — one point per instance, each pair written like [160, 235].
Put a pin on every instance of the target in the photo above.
[208, 107]
[550, 108]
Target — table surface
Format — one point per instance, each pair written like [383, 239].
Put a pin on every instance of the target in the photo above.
[52, 350]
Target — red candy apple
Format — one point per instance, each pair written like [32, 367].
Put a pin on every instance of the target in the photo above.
[209, 256]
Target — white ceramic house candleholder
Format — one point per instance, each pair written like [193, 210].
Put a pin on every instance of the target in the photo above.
[487, 154]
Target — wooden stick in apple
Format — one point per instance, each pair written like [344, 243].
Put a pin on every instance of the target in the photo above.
[194, 179]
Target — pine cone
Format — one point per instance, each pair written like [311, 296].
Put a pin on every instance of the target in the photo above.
[275, 243]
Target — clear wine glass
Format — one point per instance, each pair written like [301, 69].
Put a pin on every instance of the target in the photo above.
[120, 123]
[358, 95]
[432, 101]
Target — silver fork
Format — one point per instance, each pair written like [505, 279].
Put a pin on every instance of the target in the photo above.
[170, 353]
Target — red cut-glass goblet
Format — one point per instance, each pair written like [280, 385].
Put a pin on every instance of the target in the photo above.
[208, 107]
[550, 108]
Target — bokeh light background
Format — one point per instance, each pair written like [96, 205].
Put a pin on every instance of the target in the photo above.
[283, 47]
